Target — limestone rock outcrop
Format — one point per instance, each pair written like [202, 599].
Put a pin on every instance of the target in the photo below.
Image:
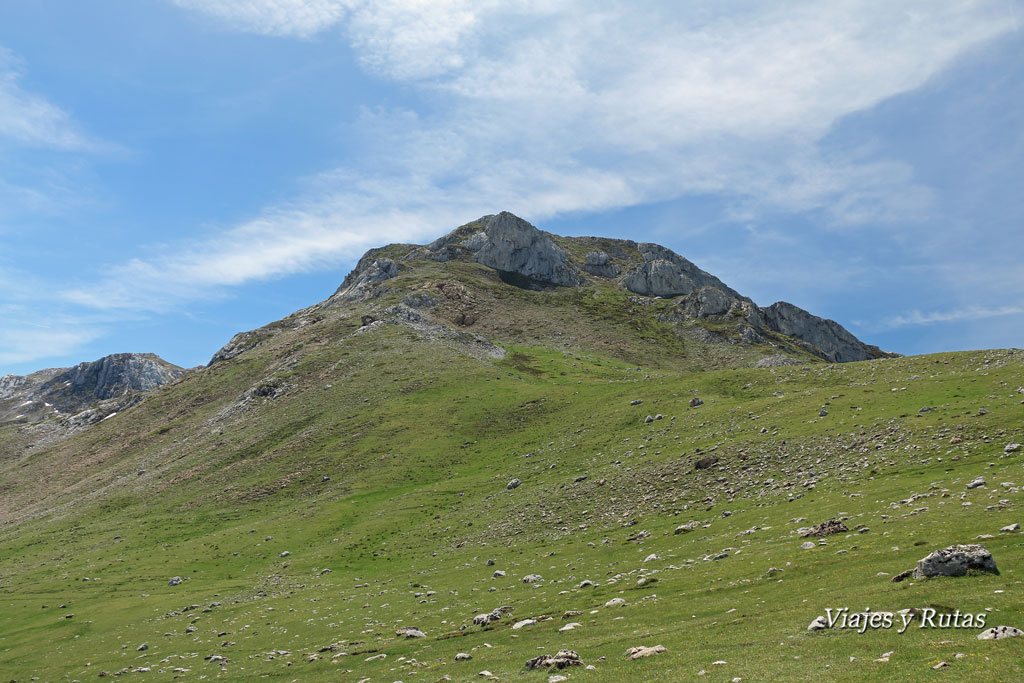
[956, 560]
[826, 338]
[666, 273]
[511, 245]
[362, 282]
[71, 390]
[599, 263]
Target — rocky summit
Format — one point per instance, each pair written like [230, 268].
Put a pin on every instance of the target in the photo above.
[511, 455]
[683, 298]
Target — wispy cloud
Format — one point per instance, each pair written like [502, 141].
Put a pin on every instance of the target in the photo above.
[31, 120]
[26, 343]
[545, 108]
[959, 315]
[299, 18]
[26, 336]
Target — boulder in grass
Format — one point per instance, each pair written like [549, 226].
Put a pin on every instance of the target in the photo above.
[410, 632]
[1000, 632]
[561, 660]
[639, 652]
[832, 526]
[956, 560]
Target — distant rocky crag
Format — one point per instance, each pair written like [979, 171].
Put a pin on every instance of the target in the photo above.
[84, 394]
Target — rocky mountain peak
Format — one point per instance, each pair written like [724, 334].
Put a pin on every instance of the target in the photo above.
[527, 257]
[511, 246]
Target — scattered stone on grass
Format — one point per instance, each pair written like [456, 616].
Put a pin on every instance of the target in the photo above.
[1000, 632]
[832, 526]
[560, 660]
[410, 632]
[956, 560]
[641, 651]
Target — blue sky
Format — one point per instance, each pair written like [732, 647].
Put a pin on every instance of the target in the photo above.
[173, 172]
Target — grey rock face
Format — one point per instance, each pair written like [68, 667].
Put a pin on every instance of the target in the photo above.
[361, 283]
[666, 273]
[955, 560]
[599, 263]
[657, 278]
[510, 244]
[826, 338]
[115, 375]
[706, 301]
[73, 390]
[240, 343]
[9, 385]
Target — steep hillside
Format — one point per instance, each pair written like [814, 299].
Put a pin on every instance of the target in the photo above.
[452, 423]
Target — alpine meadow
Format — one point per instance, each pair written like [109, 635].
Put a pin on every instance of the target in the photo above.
[445, 341]
[509, 454]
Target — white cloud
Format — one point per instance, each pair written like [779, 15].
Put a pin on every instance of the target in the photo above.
[959, 315]
[30, 120]
[27, 343]
[409, 39]
[301, 18]
[279, 243]
[544, 108]
[675, 98]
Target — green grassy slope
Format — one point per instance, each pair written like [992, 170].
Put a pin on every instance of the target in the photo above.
[384, 458]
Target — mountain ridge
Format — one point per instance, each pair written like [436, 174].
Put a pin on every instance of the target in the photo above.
[529, 258]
